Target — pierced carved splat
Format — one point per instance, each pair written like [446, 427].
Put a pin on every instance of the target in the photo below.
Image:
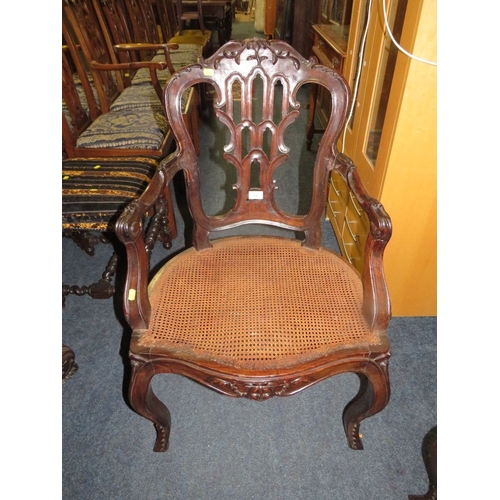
[256, 143]
[265, 76]
[88, 35]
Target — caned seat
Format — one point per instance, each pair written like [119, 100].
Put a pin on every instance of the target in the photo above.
[246, 304]
[257, 315]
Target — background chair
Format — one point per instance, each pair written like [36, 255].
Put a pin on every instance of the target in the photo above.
[167, 15]
[111, 133]
[190, 13]
[257, 315]
[121, 111]
[95, 191]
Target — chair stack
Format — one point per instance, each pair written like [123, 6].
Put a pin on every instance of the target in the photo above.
[174, 31]
[127, 73]
[115, 65]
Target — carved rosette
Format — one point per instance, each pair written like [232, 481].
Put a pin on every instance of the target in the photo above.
[258, 391]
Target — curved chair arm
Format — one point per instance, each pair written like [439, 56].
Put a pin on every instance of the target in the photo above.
[127, 66]
[376, 302]
[129, 229]
[164, 47]
[153, 66]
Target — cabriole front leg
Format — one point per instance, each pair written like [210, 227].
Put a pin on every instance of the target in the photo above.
[145, 403]
[373, 396]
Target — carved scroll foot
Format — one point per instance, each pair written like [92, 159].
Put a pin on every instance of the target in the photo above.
[146, 404]
[372, 398]
[69, 366]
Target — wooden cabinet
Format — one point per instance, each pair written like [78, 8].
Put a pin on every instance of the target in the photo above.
[335, 11]
[305, 15]
[270, 17]
[348, 220]
[392, 139]
[294, 20]
[331, 36]
[330, 45]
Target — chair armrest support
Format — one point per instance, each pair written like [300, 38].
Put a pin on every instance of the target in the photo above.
[165, 47]
[376, 302]
[129, 230]
[153, 66]
[127, 66]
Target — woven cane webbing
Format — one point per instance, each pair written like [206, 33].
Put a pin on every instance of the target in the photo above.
[256, 303]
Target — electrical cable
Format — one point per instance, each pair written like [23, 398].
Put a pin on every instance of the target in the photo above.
[358, 76]
[360, 65]
[384, 8]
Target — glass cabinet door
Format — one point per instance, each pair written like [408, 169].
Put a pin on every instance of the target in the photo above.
[353, 66]
[367, 135]
[340, 12]
[335, 12]
[384, 81]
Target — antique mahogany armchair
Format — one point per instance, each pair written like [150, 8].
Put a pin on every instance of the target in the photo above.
[257, 316]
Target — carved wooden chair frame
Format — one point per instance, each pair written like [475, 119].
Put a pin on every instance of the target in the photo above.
[273, 61]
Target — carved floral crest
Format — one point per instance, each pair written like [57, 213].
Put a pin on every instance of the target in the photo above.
[263, 49]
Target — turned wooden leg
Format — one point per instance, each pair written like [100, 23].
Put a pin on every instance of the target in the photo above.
[158, 229]
[372, 398]
[86, 240]
[103, 289]
[146, 404]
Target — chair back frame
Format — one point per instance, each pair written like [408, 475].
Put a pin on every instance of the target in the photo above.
[243, 63]
[273, 61]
